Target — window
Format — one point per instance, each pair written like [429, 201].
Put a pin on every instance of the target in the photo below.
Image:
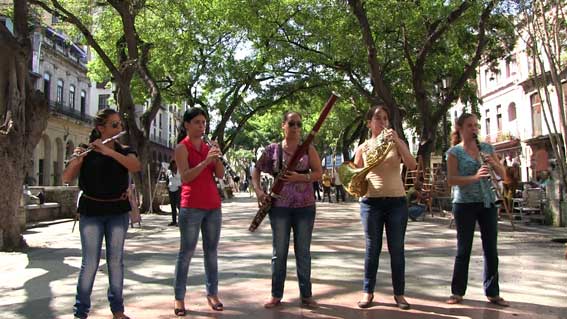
[512, 111]
[72, 96]
[47, 85]
[103, 101]
[83, 102]
[535, 102]
[59, 93]
[508, 69]
[486, 78]
[487, 122]
[499, 117]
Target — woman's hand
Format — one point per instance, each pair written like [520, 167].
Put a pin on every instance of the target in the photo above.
[101, 148]
[392, 135]
[262, 197]
[483, 172]
[214, 153]
[76, 152]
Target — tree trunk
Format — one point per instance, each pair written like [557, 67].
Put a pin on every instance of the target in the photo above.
[23, 118]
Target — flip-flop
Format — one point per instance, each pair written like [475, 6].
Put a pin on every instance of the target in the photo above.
[366, 303]
[454, 299]
[180, 312]
[274, 302]
[498, 301]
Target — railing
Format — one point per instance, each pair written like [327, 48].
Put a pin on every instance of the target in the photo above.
[64, 109]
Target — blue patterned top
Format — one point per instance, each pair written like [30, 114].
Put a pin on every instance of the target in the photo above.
[477, 192]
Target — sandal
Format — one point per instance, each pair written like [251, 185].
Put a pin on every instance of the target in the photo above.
[180, 312]
[498, 301]
[309, 302]
[273, 302]
[401, 302]
[366, 303]
[454, 299]
[119, 315]
[216, 305]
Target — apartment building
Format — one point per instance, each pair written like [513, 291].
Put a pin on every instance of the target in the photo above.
[511, 113]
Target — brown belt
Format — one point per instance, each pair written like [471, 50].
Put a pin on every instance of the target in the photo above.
[122, 197]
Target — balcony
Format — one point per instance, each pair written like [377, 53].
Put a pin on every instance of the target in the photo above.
[499, 137]
[64, 109]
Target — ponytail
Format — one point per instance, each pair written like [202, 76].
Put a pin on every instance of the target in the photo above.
[182, 133]
[95, 134]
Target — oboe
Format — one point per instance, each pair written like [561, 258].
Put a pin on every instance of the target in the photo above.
[91, 148]
[227, 167]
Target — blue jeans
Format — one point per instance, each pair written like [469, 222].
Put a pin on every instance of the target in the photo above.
[376, 213]
[92, 229]
[416, 210]
[191, 221]
[466, 216]
[301, 220]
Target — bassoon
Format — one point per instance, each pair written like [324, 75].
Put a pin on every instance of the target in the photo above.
[299, 152]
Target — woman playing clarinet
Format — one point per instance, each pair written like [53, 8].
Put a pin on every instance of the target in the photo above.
[473, 201]
[198, 163]
[294, 209]
[103, 207]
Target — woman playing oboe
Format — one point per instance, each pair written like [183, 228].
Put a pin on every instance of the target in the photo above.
[198, 163]
[103, 207]
[473, 201]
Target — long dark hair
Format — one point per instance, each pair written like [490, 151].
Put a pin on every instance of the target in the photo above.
[455, 136]
[375, 109]
[287, 114]
[100, 120]
[187, 117]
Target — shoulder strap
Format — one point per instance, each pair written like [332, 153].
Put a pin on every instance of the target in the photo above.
[280, 157]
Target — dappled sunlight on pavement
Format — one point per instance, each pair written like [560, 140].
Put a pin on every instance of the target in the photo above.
[40, 282]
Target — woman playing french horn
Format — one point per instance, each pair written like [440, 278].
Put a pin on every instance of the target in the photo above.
[384, 204]
[473, 201]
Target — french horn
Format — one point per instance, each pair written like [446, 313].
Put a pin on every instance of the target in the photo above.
[353, 178]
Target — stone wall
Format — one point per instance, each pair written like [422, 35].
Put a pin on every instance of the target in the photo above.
[65, 196]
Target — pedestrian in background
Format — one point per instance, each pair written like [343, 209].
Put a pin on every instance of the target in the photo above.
[327, 183]
[473, 201]
[339, 189]
[103, 208]
[198, 164]
[295, 209]
[174, 191]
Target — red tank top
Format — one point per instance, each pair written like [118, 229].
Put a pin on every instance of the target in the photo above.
[201, 192]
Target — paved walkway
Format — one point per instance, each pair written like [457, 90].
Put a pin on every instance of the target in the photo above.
[40, 283]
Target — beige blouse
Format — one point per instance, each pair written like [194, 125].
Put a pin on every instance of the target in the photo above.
[385, 179]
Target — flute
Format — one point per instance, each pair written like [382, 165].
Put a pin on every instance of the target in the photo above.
[91, 148]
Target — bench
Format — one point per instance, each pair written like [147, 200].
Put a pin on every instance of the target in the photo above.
[32, 213]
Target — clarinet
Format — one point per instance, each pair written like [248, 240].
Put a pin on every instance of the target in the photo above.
[492, 178]
[227, 167]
